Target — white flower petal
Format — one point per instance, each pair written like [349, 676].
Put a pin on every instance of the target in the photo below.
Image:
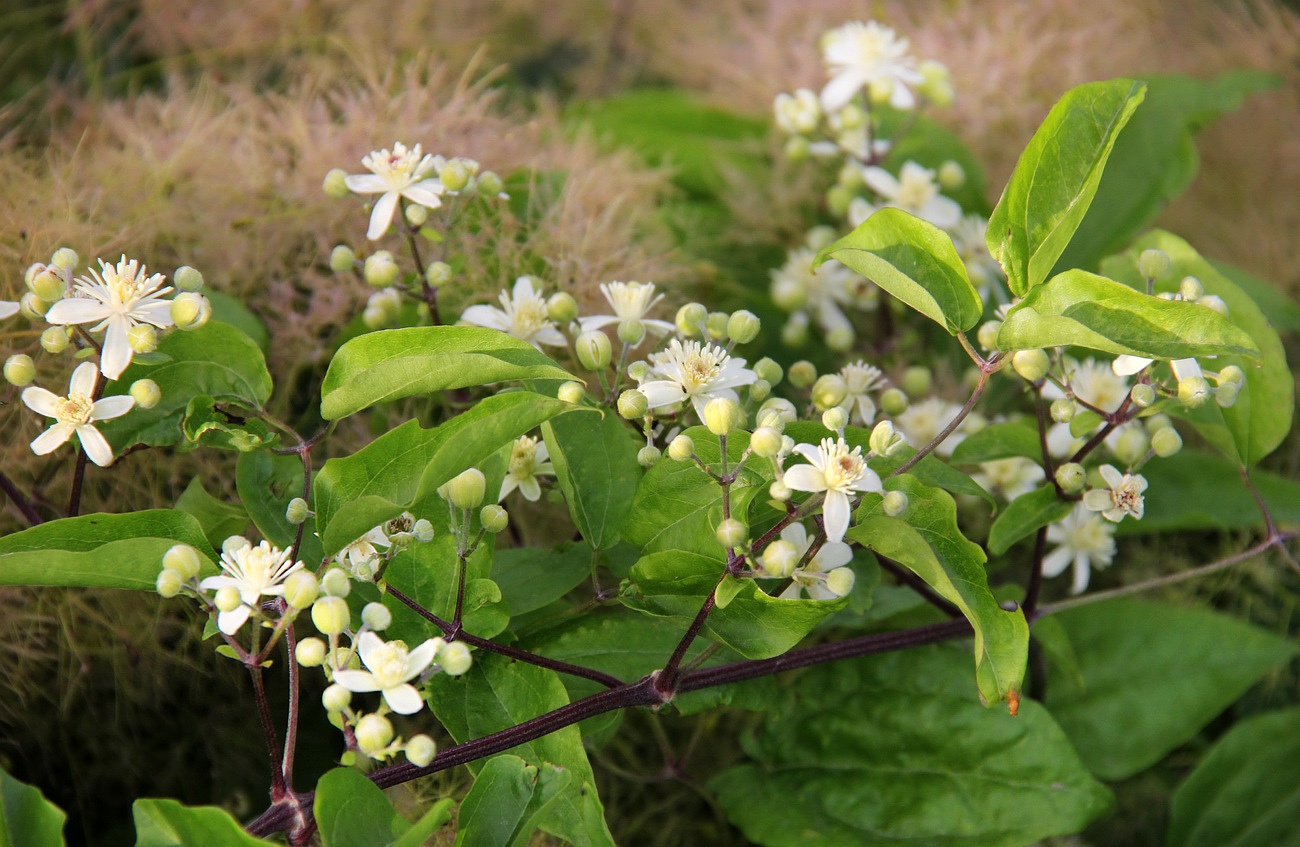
[112, 407]
[78, 310]
[424, 194]
[403, 699]
[840, 90]
[7, 309]
[52, 438]
[95, 445]
[1126, 365]
[805, 478]
[83, 379]
[357, 681]
[834, 554]
[117, 348]
[382, 216]
[368, 648]
[881, 181]
[230, 622]
[366, 184]
[422, 656]
[837, 513]
[1055, 562]
[530, 489]
[41, 401]
[488, 316]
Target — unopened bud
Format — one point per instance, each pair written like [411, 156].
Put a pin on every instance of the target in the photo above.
[893, 402]
[638, 371]
[1226, 396]
[936, 82]
[310, 652]
[894, 503]
[336, 183]
[779, 558]
[48, 285]
[188, 278]
[648, 455]
[1143, 395]
[1071, 477]
[336, 583]
[885, 439]
[716, 325]
[455, 658]
[19, 369]
[420, 750]
[330, 615]
[335, 698]
[769, 370]
[423, 531]
[988, 335]
[1030, 364]
[1232, 375]
[593, 349]
[169, 583]
[33, 307]
[796, 148]
[783, 409]
[835, 418]
[297, 511]
[690, 319]
[1063, 409]
[376, 616]
[490, 184]
[373, 733]
[1166, 442]
[632, 404]
[765, 442]
[380, 269]
[466, 490]
[1153, 264]
[681, 448]
[795, 331]
[722, 415]
[65, 257]
[55, 339]
[1193, 391]
[571, 392]
[1215, 302]
[743, 326]
[779, 491]
[342, 259]
[301, 589]
[840, 581]
[631, 332]
[454, 175]
[1132, 445]
[184, 560]
[951, 175]
[731, 533]
[759, 389]
[840, 339]
[561, 307]
[227, 598]
[916, 381]
[1191, 289]
[790, 295]
[187, 309]
[437, 273]
[494, 518]
[233, 544]
[142, 338]
[829, 390]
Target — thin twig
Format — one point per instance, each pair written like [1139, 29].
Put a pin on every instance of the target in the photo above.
[20, 500]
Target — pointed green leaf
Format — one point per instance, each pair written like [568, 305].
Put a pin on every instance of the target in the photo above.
[503, 806]
[219, 519]
[166, 823]
[1056, 178]
[998, 441]
[27, 819]
[1024, 515]
[266, 482]
[595, 460]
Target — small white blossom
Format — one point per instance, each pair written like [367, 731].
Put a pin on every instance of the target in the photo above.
[811, 577]
[922, 422]
[837, 470]
[76, 414]
[799, 289]
[1122, 496]
[8, 309]
[361, 555]
[694, 372]
[797, 113]
[631, 301]
[858, 55]
[1011, 477]
[395, 174]
[1125, 365]
[254, 572]
[389, 668]
[861, 379]
[914, 190]
[1084, 540]
[522, 314]
[1094, 382]
[529, 459]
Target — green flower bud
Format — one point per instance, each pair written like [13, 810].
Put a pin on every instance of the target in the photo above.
[373, 734]
[227, 598]
[632, 404]
[415, 214]
[1132, 445]
[571, 392]
[593, 349]
[839, 339]
[466, 491]
[988, 335]
[893, 401]
[437, 273]
[1193, 391]
[169, 583]
[802, 374]
[184, 560]
[33, 307]
[1153, 264]
[1143, 395]
[301, 589]
[1232, 375]
[1030, 364]
[297, 511]
[743, 326]
[638, 371]
[65, 257]
[335, 184]
[454, 175]
[494, 518]
[48, 285]
[1071, 477]
[716, 325]
[420, 750]
[335, 698]
[489, 183]
[916, 381]
[1063, 410]
[894, 503]
[455, 658]
[375, 318]
[423, 531]
[829, 390]
[142, 338]
[336, 583]
[1226, 396]
[681, 448]
[330, 614]
[19, 369]
[722, 415]
[1215, 302]
[797, 148]
[779, 491]
[1166, 442]
[769, 370]
[631, 333]
[936, 83]
[765, 442]
[840, 581]
[731, 533]
[380, 269]
[233, 544]
[835, 418]
[188, 310]
[376, 616]
[783, 410]
[187, 278]
[690, 319]
[779, 559]
[56, 339]
[885, 440]
[795, 332]
[951, 175]
[310, 653]
[561, 307]
[648, 455]
[1190, 288]
[759, 389]
[342, 259]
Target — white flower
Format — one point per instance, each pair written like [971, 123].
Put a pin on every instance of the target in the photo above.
[694, 372]
[1122, 496]
[119, 296]
[922, 422]
[797, 288]
[8, 309]
[861, 379]
[395, 174]
[1085, 540]
[1094, 382]
[528, 460]
[1126, 365]
[359, 556]
[1012, 476]
[859, 54]
[797, 113]
[836, 470]
[77, 413]
[389, 668]
[968, 236]
[913, 190]
[812, 576]
[254, 572]
[630, 302]
[522, 314]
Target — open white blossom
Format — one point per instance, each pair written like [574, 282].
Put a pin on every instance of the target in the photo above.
[922, 422]
[395, 174]
[798, 288]
[861, 379]
[797, 113]
[529, 459]
[914, 190]
[1093, 382]
[522, 314]
[859, 55]
[1126, 365]
[1084, 540]
[360, 557]
[631, 301]
[1121, 497]
[1010, 477]
[696, 373]
[811, 577]
[119, 297]
[389, 668]
[254, 572]
[76, 414]
[837, 470]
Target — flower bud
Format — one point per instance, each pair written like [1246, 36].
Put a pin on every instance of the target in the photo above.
[310, 652]
[593, 349]
[342, 259]
[1166, 442]
[631, 332]
[330, 614]
[885, 439]
[455, 658]
[489, 183]
[638, 371]
[65, 257]
[632, 404]
[1232, 375]
[437, 273]
[916, 381]
[561, 307]
[336, 583]
[33, 307]
[1193, 391]
[184, 560]
[988, 335]
[297, 511]
[1030, 364]
[835, 418]
[494, 518]
[690, 319]
[48, 285]
[716, 325]
[373, 733]
[55, 339]
[301, 589]
[1191, 289]
[743, 326]
[420, 750]
[335, 183]
[1071, 477]
[802, 374]
[380, 269]
[779, 558]
[759, 389]
[1153, 264]
[779, 491]
[829, 390]
[840, 339]
[681, 448]
[951, 175]
[190, 310]
[894, 503]
[571, 392]
[1226, 396]
[1143, 395]
[1063, 409]
[233, 544]
[1215, 302]
[19, 369]
[188, 278]
[142, 338]
[795, 331]
[423, 531]
[1132, 445]
[722, 415]
[376, 616]
[335, 698]
[454, 175]
[797, 148]
[893, 401]
[227, 598]
[767, 369]
[731, 533]
[169, 583]
[415, 214]
[466, 490]
[840, 580]
[648, 455]
[766, 442]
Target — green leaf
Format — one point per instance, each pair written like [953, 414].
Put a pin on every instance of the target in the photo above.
[27, 819]
[438, 816]
[351, 811]
[216, 361]
[1024, 515]
[395, 363]
[1080, 309]
[677, 506]
[1056, 178]
[266, 482]
[926, 540]
[402, 469]
[1261, 418]
[531, 578]
[1282, 310]
[166, 823]
[427, 574]
[1140, 700]
[998, 441]
[1246, 791]
[219, 519]
[1154, 159]
[203, 425]
[508, 797]
[916, 262]
[595, 460]
[889, 751]
[99, 551]
[674, 583]
[231, 310]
